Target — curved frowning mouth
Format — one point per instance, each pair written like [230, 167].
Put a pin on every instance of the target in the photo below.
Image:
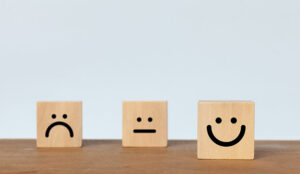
[62, 124]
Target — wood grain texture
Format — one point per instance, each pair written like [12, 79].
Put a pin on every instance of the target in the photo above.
[108, 157]
[219, 124]
[67, 114]
[136, 115]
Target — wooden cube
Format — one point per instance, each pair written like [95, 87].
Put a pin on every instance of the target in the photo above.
[59, 124]
[225, 130]
[145, 124]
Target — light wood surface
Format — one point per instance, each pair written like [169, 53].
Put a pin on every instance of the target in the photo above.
[225, 130]
[145, 123]
[62, 121]
[108, 157]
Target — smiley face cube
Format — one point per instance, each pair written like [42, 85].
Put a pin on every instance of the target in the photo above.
[145, 124]
[59, 124]
[225, 130]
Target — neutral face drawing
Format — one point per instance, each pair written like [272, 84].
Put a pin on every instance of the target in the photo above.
[144, 124]
[226, 143]
[59, 123]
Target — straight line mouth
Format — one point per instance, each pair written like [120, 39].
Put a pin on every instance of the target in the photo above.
[144, 130]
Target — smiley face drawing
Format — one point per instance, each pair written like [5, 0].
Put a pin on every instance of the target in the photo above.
[225, 130]
[144, 124]
[226, 143]
[59, 124]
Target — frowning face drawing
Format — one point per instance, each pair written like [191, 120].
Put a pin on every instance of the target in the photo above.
[59, 124]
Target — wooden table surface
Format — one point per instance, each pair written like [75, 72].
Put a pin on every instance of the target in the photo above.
[107, 156]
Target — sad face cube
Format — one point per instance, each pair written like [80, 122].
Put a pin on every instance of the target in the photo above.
[145, 124]
[59, 124]
[225, 130]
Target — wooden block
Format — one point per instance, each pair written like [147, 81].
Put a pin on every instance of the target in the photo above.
[225, 130]
[59, 124]
[145, 124]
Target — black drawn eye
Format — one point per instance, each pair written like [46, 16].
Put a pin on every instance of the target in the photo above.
[218, 120]
[139, 119]
[65, 116]
[233, 120]
[53, 116]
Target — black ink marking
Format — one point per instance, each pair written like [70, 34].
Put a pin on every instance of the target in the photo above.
[65, 116]
[144, 131]
[53, 116]
[218, 120]
[233, 120]
[59, 123]
[226, 144]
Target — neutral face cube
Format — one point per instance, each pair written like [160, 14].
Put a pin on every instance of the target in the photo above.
[145, 124]
[225, 130]
[59, 124]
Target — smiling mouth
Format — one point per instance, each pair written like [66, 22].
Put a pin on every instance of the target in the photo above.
[224, 143]
[144, 131]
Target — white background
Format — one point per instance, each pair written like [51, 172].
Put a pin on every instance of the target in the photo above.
[104, 52]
